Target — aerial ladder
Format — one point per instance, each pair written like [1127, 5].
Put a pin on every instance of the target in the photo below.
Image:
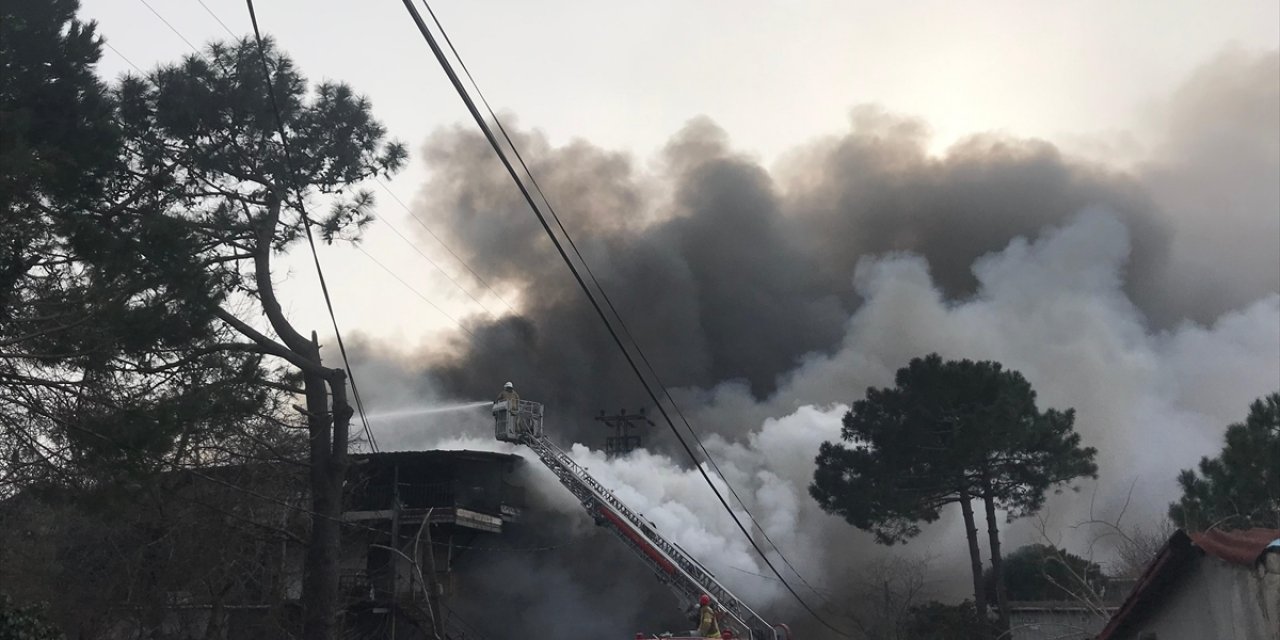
[520, 422]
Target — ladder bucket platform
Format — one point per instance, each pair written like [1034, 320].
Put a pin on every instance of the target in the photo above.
[518, 421]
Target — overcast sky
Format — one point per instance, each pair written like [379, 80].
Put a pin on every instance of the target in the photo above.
[1089, 76]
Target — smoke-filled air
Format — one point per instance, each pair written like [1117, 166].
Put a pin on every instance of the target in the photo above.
[780, 321]
[1144, 293]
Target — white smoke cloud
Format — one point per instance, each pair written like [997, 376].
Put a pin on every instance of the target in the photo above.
[1152, 402]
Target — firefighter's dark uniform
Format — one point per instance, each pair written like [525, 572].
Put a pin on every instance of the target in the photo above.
[510, 397]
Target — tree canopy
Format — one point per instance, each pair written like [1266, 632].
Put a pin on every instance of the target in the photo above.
[1041, 572]
[1240, 488]
[246, 152]
[938, 621]
[57, 138]
[141, 223]
[111, 357]
[948, 433]
[25, 623]
[944, 431]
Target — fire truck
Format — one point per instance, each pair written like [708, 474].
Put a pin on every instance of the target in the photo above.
[520, 422]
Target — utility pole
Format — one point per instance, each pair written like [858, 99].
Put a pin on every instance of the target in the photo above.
[624, 440]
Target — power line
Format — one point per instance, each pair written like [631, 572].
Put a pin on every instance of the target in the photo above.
[306, 223]
[391, 193]
[407, 209]
[506, 162]
[171, 27]
[410, 287]
[431, 233]
[215, 17]
[816, 591]
[393, 228]
[306, 219]
[434, 264]
[123, 57]
[609, 301]
[564, 231]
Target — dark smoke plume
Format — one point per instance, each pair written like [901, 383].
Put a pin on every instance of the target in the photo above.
[732, 273]
[768, 299]
[1217, 180]
[728, 271]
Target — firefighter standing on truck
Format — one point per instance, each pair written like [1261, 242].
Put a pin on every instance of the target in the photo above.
[707, 625]
[509, 396]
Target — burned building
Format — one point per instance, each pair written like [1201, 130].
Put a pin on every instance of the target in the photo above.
[218, 553]
[410, 516]
[1057, 619]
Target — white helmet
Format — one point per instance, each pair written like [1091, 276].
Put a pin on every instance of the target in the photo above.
[508, 386]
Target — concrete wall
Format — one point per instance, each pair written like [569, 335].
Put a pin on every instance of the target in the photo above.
[1220, 601]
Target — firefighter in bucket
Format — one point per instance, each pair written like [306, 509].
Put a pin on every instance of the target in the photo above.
[509, 396]
[506, 414]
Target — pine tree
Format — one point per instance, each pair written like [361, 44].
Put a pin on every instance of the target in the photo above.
[948, 433]
[206, 132]
[110, 357]
[1240, 488]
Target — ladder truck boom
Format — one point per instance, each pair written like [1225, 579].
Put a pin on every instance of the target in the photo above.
[520, 422]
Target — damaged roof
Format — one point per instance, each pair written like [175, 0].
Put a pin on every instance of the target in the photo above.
[1243, 548]
[1237, 547]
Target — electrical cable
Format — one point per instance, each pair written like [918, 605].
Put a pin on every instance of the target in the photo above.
[434, 264]
[559, 224]
[306, 223]
[379, 180]
[769, 578]
[431, 233]
[608, 300]
[410, 287]
[123, 57]
[171, 27]
[393, 228]
[506, 162]
[215, 17]
[373, 443]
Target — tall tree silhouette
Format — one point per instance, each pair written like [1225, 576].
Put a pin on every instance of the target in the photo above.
[948, 433]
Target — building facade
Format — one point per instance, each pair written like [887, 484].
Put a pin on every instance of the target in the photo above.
[1220, 585]
[218, 553]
